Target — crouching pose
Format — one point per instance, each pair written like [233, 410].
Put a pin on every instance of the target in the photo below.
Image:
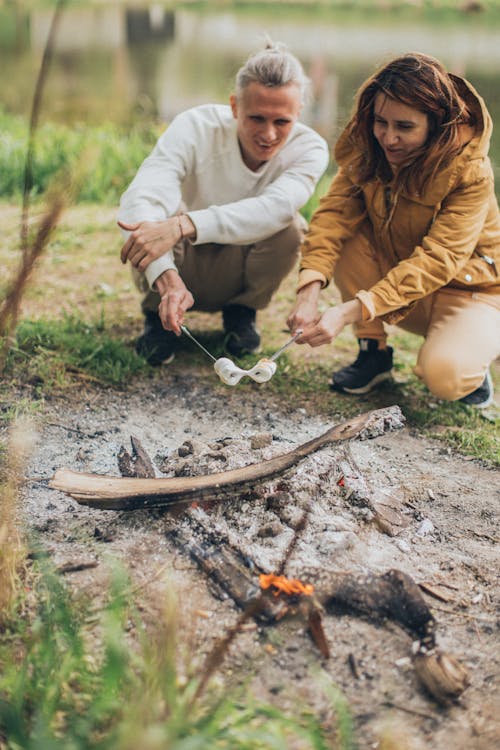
[410, 233]
[211, 219]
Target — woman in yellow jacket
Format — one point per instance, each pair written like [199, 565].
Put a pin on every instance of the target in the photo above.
[410, 232]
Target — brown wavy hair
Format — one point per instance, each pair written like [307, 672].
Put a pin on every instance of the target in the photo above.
[421, 82]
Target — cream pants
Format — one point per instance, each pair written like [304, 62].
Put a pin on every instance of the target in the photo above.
[461, 328]
[220, 275]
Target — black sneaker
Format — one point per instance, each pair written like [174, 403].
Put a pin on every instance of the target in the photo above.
[482, 396]
[372, 366]
[155, 344]
[239, 325]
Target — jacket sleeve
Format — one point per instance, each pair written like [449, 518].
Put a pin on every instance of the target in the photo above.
[339, 214]
[440, 256]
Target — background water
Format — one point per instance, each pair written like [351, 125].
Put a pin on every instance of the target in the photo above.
[121, 63]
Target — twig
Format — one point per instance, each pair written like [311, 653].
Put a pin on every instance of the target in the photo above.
[76, 567]
[219, 651]
[414, 712]
[295, 539]
[485, 536]
[481, 618]
[35, 114]
[9, 310]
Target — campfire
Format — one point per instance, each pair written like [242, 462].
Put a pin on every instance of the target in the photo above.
[282, 585]
[241, 569]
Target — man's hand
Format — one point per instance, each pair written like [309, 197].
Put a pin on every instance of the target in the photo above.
[175, 300]
[149, 240]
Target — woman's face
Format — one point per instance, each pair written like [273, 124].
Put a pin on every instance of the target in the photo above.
[399, 129]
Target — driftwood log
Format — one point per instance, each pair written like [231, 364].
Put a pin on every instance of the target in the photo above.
[128, 493]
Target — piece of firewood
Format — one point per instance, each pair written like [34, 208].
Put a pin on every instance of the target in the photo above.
[127, 493]
[386, 506]
[392, 595]
[137, 464]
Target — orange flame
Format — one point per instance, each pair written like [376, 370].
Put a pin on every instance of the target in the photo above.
[286, 585]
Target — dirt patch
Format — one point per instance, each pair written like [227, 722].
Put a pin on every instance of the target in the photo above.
[450, 542]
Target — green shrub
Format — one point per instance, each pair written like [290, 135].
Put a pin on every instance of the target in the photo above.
[103, 160]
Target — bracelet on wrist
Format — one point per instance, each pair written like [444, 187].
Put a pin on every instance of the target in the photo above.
[179, 224]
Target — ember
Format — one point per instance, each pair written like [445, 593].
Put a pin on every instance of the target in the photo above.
[286, 585]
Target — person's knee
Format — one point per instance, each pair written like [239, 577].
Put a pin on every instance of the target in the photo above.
[442, 375]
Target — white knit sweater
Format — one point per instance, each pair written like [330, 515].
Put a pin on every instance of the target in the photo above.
[197, 162]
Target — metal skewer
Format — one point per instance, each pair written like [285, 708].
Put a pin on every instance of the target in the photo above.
[190, 335]
[285, 346]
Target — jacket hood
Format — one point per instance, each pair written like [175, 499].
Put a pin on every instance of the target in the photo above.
[349, 156]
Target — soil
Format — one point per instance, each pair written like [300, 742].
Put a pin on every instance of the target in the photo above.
[450, 542]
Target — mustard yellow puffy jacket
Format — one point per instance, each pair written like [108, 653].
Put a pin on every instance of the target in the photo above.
[449, 236]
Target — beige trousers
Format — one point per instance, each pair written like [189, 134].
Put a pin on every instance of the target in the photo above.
[220, 275]
[461, 328]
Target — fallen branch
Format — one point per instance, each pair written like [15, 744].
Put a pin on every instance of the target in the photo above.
[127, 493]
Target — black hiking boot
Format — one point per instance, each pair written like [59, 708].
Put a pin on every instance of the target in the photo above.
[239, 325]
[372, 366]
[155, 344]
[482, 396]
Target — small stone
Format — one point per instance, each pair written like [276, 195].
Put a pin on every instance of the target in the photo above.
[274, 528]
[431, 494]
[194, 447]
[403, 546]
[405, 661]
[182, 469]
[261, 440]
[426, 527]
[276, 500]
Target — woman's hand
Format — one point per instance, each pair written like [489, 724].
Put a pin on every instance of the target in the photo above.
[149, 240]
[305, 312]
[331, 323]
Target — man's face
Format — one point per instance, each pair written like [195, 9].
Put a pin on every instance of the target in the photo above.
[264, 118]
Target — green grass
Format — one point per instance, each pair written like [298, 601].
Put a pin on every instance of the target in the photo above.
[48, 351]
[103, 160]
[72, 678]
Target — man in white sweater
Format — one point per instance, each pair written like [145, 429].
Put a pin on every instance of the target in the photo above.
[211, 219]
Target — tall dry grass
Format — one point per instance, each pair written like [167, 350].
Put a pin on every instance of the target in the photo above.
[12, 543]
[31, 249]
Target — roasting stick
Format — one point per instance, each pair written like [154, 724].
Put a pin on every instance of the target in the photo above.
[285, 346]
[190, 335]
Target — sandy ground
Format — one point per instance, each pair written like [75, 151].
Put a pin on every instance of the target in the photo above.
[451, 541]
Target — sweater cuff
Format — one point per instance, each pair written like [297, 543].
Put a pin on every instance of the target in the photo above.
[157, 267]
[206, 224]
[367, 304]
[307, 275]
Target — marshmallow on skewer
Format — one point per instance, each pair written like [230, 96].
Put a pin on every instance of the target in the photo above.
[263, 370]
[231, 374]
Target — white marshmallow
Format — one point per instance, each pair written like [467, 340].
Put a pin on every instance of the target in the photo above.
[231, 374]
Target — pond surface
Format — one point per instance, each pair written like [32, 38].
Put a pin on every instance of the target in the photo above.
[122, 63]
